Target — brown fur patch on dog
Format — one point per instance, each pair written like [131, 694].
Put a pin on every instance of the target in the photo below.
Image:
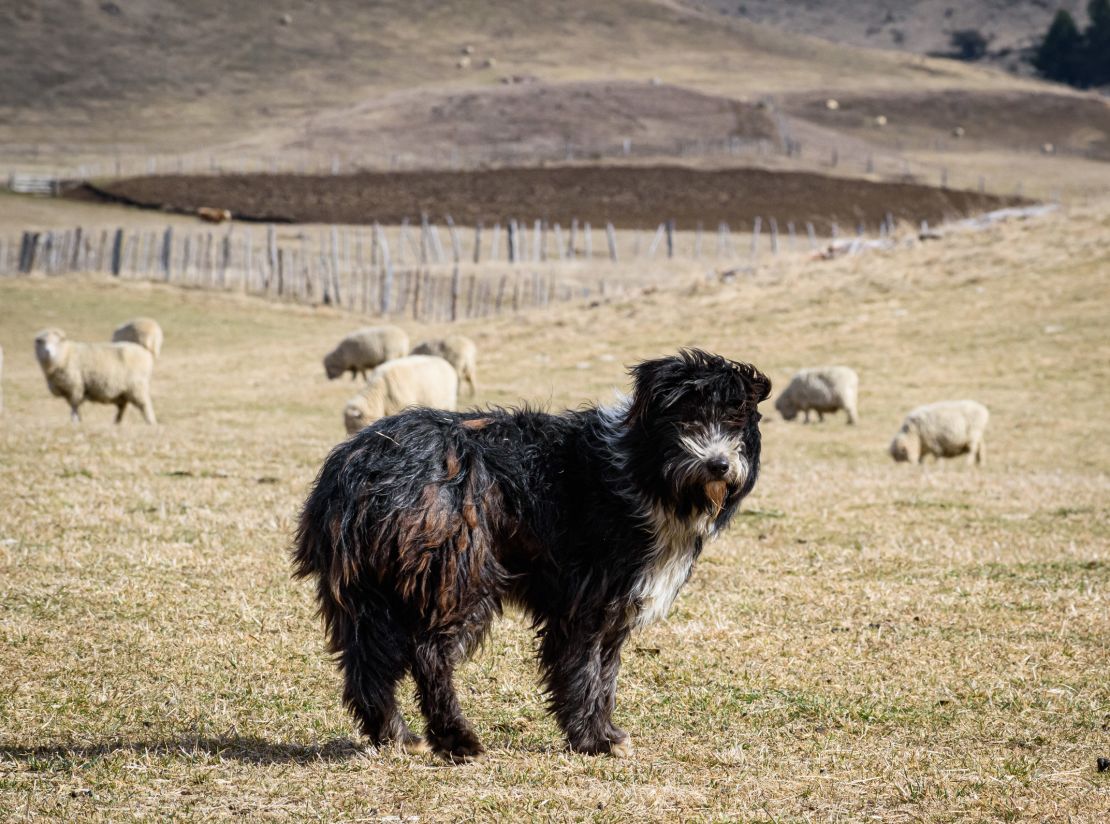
[477, 423]
[452, 463]
[716, 491]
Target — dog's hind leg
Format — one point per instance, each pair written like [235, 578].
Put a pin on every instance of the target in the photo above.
[372, 659]
[581, 675]
[433, 667]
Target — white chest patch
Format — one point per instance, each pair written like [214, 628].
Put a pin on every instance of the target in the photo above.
[673, 553]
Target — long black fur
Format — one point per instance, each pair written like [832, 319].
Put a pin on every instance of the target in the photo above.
[420, 527]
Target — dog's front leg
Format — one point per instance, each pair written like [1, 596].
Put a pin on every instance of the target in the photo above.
[581, 674]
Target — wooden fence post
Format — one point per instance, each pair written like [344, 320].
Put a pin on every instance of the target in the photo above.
[225, 258]
[588, 241]
[117, 253]
[335, 265]
[656, 240]
[75, 252]
[774, 236]
[611, 237]
[812, 233]
[571, 253]
[387, 274]
[512, 241]
[756, 228]
[244, 277]
[456, 244]
[670, 238]
[455, 284]
[272, 253]
[560, 250]
[478, 242]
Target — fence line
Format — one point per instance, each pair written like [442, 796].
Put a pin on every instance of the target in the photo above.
[378, 270]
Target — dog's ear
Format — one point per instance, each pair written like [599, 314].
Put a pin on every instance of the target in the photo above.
[757, 384]
[651, 379]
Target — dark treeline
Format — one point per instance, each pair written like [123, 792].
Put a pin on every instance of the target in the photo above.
[1077, 58]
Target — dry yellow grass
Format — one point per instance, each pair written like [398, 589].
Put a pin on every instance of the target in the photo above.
[869, 641]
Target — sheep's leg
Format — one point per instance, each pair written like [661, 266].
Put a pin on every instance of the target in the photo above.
[74, 415]
[147, 409]
[806, 420]
[820, 416]
[853, 416]
[121, 407]
[976, 454]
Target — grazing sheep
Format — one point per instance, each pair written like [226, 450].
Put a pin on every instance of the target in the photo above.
[457, 350]
[366, 349]
[416, 380]
[116, 373]
[144, 331]
[821, 389]
[945, 430]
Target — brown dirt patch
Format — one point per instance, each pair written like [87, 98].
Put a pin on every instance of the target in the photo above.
[629, 197]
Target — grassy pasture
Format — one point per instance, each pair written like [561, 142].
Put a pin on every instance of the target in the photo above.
[867, 641]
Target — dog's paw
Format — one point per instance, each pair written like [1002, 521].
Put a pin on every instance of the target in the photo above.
[617, 744]
[621, 745]
[415, 745]
[458, 747]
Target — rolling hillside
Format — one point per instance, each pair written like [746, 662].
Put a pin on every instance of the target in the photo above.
[155, 75]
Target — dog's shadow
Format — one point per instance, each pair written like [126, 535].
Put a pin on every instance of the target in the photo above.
[246, 749]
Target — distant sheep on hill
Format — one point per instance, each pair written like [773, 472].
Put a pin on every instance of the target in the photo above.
[144, 331]
[820, 389]
[366, 349]
[457, 350]
[116, 373]
[416, 380]
[944, 430]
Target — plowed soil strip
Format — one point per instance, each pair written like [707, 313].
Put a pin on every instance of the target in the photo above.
[629, 197]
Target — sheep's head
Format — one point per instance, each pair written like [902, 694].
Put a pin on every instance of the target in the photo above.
[786, 406]
[333, 365]
[48, 346]
[361, 411]
[906, 445]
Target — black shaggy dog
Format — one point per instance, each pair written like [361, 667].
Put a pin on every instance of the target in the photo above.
[423, 525]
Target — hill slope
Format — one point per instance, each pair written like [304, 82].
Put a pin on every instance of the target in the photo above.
[158, 75]
[921, 26]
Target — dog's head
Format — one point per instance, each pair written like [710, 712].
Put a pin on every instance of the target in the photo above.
[694, 427]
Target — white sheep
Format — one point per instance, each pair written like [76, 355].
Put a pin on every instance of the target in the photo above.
[366, 349]
[116, 373]
[820, 389]
[457, 350]
[144, 331]
[415, 380]
[944, 430]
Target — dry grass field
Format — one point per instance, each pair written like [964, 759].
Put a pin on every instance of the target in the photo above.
[869, 641]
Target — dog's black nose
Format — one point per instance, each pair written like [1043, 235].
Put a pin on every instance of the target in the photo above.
[718, 465]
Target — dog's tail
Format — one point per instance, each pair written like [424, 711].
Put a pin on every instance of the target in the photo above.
[315, 542]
